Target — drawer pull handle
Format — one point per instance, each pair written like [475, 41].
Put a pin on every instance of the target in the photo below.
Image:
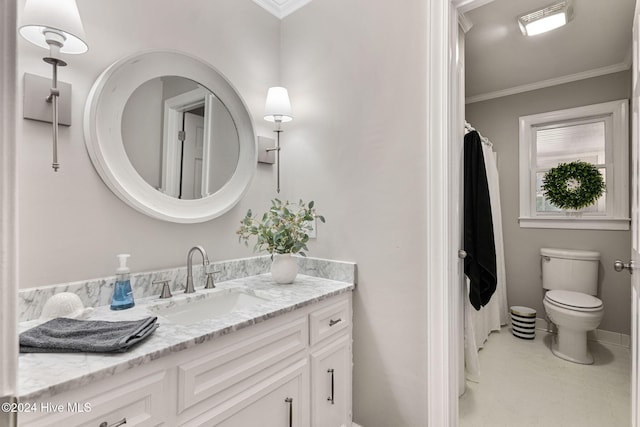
[333, 322]
[289, 400]
[116, 424]
[330, 398]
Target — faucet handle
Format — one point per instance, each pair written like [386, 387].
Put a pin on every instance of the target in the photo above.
[166, 291]
[209, 270]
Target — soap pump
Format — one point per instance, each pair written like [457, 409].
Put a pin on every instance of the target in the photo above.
[122, 294]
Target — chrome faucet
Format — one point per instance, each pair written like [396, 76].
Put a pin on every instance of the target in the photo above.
[189, 289]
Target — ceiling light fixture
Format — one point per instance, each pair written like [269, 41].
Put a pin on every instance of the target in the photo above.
[546, 19]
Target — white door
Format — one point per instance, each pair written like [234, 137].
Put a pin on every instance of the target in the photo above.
[635, 224]
[457, 190]
[192, 157]
[8, 235]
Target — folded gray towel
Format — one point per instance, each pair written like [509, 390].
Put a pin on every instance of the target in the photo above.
[63, 335]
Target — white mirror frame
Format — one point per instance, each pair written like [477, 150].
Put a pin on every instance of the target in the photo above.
[103, 135]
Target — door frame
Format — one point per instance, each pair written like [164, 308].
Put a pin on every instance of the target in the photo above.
[8, 211]
[171, 159]
[635, 223]
[445, 115]
[445, 123]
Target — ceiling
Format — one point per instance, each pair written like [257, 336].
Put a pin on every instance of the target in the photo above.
[501, 61]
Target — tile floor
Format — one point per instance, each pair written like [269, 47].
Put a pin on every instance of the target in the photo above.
[522, 384]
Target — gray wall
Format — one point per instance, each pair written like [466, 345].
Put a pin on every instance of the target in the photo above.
[142, 121]
[497, 119]
[356, 75]
[70, 224]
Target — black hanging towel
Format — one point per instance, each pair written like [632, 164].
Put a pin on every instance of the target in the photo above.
[480, 262]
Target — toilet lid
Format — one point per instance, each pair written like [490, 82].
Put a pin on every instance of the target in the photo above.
[576, 300]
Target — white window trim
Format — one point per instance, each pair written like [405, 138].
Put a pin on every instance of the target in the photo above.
[617, 217]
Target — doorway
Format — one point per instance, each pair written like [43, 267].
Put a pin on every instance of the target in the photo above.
[504, 134]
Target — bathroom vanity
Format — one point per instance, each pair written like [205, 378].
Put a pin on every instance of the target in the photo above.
[284, 358]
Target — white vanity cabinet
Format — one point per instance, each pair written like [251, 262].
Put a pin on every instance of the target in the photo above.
[331, 384]
[293, 370]
[138, 396]
[331, 365]
[279, 401]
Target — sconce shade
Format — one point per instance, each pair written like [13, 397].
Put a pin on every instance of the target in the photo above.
[62, 16]
[277, 107]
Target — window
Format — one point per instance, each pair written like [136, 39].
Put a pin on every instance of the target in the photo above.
[597, 134]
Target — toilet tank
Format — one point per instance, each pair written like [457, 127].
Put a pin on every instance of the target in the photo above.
[570, 270]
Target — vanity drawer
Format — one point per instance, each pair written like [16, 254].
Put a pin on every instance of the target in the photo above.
[329, 320]
[138, 401]
[226, 370]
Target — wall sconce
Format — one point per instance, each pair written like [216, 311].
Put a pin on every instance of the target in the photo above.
[53, 25]
[278, 110]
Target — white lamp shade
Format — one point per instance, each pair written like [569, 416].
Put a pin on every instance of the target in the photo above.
[59, 15]
[277, 107]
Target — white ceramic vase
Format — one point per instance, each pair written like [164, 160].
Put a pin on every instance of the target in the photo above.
[284, 268]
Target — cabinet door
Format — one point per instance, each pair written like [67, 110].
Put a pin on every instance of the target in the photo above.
[331, 384]
[280, 401]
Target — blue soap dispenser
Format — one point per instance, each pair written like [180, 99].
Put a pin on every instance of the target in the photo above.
[122, 294]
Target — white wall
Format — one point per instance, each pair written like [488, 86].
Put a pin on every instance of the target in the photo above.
[70, 225]
[497, 119]
[8, 212]
[142, 131]
[356, 147]
[356, 76]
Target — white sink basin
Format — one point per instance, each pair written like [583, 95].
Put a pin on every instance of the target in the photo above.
[213, 306]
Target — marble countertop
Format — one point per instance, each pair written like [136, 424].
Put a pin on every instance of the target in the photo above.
[46, 374]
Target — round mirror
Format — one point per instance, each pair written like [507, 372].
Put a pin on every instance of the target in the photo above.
[170, 136]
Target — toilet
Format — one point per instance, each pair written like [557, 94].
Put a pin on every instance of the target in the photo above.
[570, 278]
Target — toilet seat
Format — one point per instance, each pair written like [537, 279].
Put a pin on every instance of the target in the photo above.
[571, 300]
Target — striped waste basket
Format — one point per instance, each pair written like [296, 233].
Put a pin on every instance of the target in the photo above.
[523, 322]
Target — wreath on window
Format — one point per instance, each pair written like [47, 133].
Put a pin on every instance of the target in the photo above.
[574, 185]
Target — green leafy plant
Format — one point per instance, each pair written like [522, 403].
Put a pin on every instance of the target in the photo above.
[574, 185]
[283, 229]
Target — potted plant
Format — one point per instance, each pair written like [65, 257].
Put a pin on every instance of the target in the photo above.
[282, 231]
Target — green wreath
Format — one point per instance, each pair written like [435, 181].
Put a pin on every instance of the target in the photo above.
[574, 185]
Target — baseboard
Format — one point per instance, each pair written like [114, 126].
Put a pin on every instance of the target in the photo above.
[599, 335]
[355, 425]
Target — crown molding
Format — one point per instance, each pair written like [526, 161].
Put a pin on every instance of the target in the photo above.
[615, 68]
[281, 8]
[464, 22]
[464, 6]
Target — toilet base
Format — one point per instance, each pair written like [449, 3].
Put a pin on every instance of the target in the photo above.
[577, 353]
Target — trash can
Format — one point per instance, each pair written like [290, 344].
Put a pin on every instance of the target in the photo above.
[523, 322]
